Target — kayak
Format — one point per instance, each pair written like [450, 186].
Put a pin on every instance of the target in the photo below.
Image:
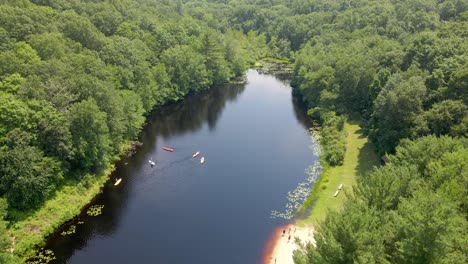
[202, 160]
[168, 149]
[195, 154]
[152, 163]
[118, 181]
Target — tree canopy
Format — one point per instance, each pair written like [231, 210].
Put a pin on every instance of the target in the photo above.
[77, 78]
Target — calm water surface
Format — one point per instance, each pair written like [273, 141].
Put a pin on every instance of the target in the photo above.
[255, 142]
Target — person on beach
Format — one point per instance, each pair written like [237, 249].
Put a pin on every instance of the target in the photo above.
[284, 232]
[289, 238]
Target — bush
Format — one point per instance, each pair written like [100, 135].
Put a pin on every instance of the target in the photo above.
[333, 137]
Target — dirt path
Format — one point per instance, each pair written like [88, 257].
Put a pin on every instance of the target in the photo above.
[13, 245]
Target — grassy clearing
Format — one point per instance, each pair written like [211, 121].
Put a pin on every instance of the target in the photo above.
[359, 159]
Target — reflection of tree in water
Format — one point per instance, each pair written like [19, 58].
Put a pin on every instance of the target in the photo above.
[300, 108]
[300, 111]
[183, 117]
[190, 114]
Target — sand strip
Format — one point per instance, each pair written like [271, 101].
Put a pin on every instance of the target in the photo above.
[280, 248]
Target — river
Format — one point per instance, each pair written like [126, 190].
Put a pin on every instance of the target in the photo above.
[256, 147]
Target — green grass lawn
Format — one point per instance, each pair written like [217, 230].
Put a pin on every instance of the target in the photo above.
[359, 159]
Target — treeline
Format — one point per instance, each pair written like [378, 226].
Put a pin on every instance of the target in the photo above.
[77, 78]
[332, 136]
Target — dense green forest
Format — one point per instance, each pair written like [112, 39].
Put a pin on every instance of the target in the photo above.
[77, 78]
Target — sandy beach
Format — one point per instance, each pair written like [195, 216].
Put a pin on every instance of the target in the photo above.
[280, 248]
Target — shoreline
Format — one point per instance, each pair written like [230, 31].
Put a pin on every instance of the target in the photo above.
[29, 235]
[359, 158]
[32, 233]
[279, 248]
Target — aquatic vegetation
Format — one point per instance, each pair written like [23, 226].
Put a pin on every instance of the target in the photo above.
[44, 256]
[95, 210]
[296, 198]
[70, 231]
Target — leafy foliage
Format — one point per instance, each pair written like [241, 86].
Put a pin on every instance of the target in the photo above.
[410, 211]
[77, 77]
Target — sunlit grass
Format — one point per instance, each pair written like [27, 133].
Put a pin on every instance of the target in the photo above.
[359, 159]
[30, 228]
[66, 204]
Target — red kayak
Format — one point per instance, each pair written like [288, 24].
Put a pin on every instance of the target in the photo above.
[168, 149]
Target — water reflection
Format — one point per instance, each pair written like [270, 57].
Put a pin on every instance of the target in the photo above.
[175, 119]
[192, 113]
[300, 111]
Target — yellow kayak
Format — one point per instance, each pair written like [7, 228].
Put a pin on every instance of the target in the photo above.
[118, 181]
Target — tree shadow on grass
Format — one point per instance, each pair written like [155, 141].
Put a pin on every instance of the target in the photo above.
[361, 133]
[367, 159]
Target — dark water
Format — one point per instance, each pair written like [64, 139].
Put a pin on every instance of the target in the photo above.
[256, 146]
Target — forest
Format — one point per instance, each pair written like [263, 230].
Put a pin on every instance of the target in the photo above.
[78, 77]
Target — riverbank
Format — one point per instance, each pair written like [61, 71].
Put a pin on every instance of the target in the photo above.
[29, 234]
[358, 160]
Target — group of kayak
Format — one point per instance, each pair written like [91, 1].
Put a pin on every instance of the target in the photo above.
[152, 163]
[202, 160]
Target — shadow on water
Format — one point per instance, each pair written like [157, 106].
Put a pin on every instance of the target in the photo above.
[190, 114]
[171, 120]
[300, 111]
[299, 106]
